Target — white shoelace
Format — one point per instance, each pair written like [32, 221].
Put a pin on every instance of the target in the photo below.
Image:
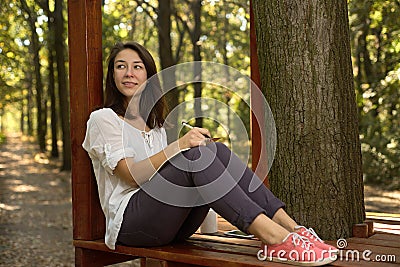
[298, 240]
[313, 234]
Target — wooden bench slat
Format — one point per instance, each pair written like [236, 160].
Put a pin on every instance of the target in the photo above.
[377, 242]
[385, 236]
[187, 253]
[227, 240]
[347, 263]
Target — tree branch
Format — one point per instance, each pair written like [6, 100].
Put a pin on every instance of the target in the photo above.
[142, 4]
[180, 43]
[184, 23]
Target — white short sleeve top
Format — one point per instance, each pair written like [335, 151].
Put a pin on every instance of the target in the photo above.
[108, 140]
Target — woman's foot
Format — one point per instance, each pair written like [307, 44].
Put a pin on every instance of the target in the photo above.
[268, 231]
[296, 250]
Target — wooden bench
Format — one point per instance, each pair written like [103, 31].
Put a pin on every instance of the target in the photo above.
[195, 252]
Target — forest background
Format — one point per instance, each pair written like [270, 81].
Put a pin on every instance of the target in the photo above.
[34, 67]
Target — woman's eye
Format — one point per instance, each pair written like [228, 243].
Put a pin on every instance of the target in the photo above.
[137, 67]
[120, 66]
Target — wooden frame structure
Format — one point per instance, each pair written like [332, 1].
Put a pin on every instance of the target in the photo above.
[86, 76]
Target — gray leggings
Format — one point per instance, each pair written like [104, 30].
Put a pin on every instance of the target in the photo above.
[149, 221]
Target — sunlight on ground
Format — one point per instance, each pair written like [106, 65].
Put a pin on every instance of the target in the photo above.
[379, 200]
[4, 206]
[24, 188]
[11, 156]
[41, 158]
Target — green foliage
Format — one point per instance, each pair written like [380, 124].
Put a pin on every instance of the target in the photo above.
[375, 28]
[224, 39]
[16, 66]
[12, 54]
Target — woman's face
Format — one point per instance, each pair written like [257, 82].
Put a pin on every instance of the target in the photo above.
[129, 73]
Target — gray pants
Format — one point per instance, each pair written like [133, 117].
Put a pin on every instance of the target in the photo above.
[150, 221]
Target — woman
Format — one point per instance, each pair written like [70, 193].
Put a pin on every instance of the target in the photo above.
[134, 166]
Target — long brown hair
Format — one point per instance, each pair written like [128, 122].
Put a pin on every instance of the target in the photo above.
[152, 105]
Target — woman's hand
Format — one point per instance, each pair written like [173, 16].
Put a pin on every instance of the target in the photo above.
[195, 137]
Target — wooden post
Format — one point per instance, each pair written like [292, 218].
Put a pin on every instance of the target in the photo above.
[259, 158]
[86, 76]
[360, 230]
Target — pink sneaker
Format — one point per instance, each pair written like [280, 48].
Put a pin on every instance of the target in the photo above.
[314, 238]
[296, 250]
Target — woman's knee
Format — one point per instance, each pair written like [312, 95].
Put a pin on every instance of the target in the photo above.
[215, 147]
[222, 148]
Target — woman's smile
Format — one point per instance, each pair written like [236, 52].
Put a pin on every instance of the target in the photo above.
[130, 84]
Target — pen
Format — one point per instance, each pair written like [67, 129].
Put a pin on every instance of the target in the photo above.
[191, 127]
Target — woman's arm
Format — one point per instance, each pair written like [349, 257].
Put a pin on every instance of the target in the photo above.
[137, 173]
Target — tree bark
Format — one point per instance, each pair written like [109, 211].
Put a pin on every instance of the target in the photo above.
[1, 119]
[195, 37]
[224, 48]
[40, 103]
[29, 105]
[62, 84]
[167, 60]
[305, 65]
[51, 88]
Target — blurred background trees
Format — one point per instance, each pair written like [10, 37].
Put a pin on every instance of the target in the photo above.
[375, 35]
[34, 66]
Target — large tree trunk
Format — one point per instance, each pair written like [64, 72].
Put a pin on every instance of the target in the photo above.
[305, 66]
[62, 84]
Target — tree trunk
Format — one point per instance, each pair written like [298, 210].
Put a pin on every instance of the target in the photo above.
[53, 108]
[195, 37]
[62, 84]
[1, 119]
[40, 104]
[51, 88]
[29, 105]
[224, 48]
[22, 118]
[305, 66]
[167, 60]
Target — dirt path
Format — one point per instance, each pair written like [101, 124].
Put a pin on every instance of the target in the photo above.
[35, 208]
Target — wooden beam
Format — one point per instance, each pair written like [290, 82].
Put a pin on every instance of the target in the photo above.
[86, 75]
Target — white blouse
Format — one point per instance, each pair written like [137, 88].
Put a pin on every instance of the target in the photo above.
[108, 140]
